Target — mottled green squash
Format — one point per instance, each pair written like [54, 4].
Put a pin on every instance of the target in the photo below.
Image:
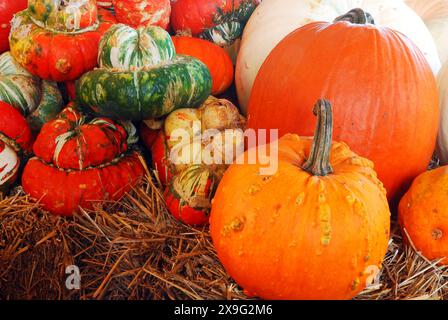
[141, 77]
[37, 99]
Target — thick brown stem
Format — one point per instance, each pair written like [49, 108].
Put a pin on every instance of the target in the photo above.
[356, 16]
[318, 163]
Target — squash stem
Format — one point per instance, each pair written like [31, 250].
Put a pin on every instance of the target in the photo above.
[356, 16]
[318, 163]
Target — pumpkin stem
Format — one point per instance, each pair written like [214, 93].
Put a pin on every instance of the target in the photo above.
[356, 16]
[184, 33]
[318, 163]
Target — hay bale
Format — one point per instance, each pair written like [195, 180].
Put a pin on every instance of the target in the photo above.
[134, 249]
[34, 251]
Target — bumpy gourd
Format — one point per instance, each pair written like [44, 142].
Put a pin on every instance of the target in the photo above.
[58, 39]
[315, 228]
[80, 161]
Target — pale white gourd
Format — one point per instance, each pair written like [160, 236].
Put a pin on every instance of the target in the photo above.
[435, 14]
[274, 19]
[442, 139]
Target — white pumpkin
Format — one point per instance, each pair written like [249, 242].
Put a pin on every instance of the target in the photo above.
[9, 165]
[274, 19]
[435, 14]
[442, 139]
[429, 9]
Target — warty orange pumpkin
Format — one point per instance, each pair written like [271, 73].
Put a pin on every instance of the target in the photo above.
[383, 91]
[316, 229]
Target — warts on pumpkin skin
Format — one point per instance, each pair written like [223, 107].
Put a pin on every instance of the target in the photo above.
[236, 225]
[355, 283]
[63, 66]
[437, 234]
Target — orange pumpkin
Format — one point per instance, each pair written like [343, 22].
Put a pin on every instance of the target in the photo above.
[382, 88]
[423, 214]
[213, 56]
[315, 229]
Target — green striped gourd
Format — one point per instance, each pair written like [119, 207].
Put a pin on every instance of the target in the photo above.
[39, 100]
[140, 76]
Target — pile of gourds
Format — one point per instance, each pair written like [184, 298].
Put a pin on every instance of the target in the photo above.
[350, 86]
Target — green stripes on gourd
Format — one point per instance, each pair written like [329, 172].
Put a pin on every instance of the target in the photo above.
[10, 66]
[146, 93]
[50, 105]
[20, 91]
[40, 100]
[224, 34]
[123, 47]
[17, 87]
[141, 77]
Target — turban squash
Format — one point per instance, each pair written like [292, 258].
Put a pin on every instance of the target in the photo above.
[137, 13]
[185, 166]
[315, 228]
[79, 161]
[38, 100]
[220, 21]
[58, 40]
[15, 142]
[141, 77]
[423, 217]
[382, 88]
[7, 10]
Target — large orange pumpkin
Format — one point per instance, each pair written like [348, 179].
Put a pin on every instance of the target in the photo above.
[213, 56]
[315, 229]
[423, 214]
[382, 88]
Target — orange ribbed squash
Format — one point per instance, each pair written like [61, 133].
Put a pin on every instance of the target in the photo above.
[381, 86]
[423, 214]
[316, 229]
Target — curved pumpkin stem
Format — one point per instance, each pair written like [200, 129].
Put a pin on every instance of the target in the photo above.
[318, 163]
[356, 16]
